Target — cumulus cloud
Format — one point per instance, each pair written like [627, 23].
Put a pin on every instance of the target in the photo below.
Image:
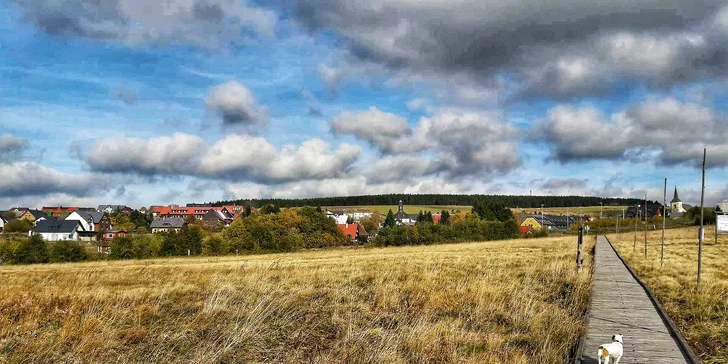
[553, 49]
[30, 179]
[461, 142]
[202, 23]
[382, 129]
[666, 131]
[12, 146]
[565, 186]
[236, 105]
[233, 157]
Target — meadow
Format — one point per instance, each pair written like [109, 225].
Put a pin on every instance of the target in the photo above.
[701, 316]
[494, 302]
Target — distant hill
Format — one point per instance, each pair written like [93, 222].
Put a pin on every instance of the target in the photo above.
[433, 199]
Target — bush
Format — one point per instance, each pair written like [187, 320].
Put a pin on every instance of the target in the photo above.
[187, 240]
[215, 245]
[122, 248]
[67, 251]
[472, 229]
[8, 251]
[538, 233]
[32, 251]
[18, 226]
[135, 247]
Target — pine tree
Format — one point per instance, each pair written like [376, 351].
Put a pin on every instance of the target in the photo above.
[445, 217]
[389, 221]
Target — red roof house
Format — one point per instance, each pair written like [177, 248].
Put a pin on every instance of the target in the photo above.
[349, 229]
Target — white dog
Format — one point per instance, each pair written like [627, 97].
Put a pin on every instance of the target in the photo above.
[611, 351]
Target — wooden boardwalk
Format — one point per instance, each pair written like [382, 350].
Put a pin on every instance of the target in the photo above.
[621, 306]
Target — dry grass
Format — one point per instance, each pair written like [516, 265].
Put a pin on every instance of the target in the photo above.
[494, 302]
[702, 318]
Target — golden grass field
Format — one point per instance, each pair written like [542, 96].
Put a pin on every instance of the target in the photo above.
[491, 302]
[702, 317]
[410, 209]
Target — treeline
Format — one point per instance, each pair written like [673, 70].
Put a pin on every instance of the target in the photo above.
[438, 199]
[274, 231]
[472, 229]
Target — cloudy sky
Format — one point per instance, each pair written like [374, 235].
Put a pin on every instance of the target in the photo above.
[157, 102]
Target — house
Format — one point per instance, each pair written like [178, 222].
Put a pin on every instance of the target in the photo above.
[363, 234]
[55, 230]
[184, 211]
[110, 209]
[525, 229]
[351, 230]
[339, 216]
[32, 215]
[652, 211]
[436, 218]
[403, 218]
[549, 222]
[6, 217]
[19, 211]
[218, 216]
[91, 220]
[111, 234]
[166, 224]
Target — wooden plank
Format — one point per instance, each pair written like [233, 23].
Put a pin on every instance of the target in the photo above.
[620, 305]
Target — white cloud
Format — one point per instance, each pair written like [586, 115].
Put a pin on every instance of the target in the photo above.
[233, 157]
[665, 131]
[331, 76]
[12, 146]
[236, 105]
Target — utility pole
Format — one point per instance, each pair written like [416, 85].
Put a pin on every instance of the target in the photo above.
[543, 224]
[622, 213]
[601, 209]
[664, 217]
[700, 233]
[645, 226]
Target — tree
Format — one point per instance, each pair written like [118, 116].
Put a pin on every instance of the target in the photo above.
[67, 251]
[349, 219]
[18, 226]
[445, 217]
[247, 211]
[389, 221]
[428, 218]
[270, 209]
[32, 251]
[215, 245]
[122, 248]
[121, 221]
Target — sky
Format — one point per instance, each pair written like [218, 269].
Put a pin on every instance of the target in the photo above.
[169, 102]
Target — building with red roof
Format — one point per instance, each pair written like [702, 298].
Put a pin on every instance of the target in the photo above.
[350, 230]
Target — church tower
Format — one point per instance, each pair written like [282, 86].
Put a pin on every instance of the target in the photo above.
[676, 204]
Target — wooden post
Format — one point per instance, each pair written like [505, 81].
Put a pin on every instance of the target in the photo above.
[645, 226]
[700, 233]
[664, 217]
[579, 252]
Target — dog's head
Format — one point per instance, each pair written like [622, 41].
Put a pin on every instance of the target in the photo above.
[618, 338]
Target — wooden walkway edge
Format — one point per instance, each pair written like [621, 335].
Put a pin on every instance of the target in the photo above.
[621, 304]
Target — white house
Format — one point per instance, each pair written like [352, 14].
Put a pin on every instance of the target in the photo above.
[55, 230]
[359, 216]
[91, 220]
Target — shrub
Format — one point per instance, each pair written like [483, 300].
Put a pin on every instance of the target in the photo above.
[18, 226]
[67, 251]
[215, 245]
[32, 251]
[122, 248]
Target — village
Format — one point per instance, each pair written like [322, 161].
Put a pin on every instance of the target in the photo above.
[95, 226]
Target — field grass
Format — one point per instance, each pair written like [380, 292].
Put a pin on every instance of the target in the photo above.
[702, 317]
[492, 302]
[410, 209]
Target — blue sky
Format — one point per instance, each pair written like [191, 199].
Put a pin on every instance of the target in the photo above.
[146, 103]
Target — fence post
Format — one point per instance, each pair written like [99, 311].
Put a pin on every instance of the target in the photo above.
[579, 251]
